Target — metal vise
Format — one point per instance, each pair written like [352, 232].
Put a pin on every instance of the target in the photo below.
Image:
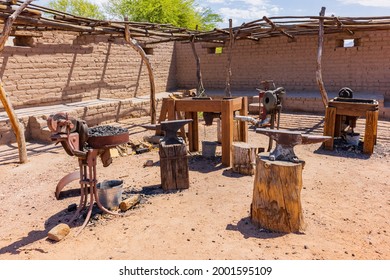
[286, 140]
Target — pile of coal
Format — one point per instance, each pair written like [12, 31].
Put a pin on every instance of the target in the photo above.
[106, 130]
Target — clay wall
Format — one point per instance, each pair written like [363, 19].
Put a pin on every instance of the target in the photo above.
[292, 64]
[62, 68]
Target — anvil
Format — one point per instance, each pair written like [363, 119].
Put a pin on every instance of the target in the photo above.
[170, 128]
[286, 140]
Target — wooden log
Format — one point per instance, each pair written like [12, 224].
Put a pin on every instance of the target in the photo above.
[244, 157]
[59, 232]
[276, 203]
[129, 202]
[173, 166]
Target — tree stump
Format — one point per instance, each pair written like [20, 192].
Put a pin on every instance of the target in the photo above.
[276, 203]
[244, 157]
[173, 166]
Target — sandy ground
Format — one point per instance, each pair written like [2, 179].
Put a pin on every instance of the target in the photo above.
[345, 200]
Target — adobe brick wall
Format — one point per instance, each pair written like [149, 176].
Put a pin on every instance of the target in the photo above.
[65, 68]
[292, 64]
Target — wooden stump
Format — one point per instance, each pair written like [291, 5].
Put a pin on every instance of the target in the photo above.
[244, 157]
[276, 203]
[173, 166]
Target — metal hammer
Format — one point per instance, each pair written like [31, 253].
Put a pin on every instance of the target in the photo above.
[286, 140]
[170, 128]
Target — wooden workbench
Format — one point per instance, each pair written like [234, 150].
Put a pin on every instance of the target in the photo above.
[226, 107]
[339, 107]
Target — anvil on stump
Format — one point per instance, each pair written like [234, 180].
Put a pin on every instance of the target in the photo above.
[173, 156]
[286, 140]
[276, 202]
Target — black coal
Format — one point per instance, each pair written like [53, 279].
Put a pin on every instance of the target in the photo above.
[106, 130]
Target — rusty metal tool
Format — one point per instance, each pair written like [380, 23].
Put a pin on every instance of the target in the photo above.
[171, 129]
[76, 140]
[286, 140]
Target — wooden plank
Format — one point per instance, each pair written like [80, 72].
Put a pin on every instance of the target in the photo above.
[370, 132]
[193, 105]
[227, 132]
[329, 126]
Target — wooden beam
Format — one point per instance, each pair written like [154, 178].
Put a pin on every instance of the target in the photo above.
[228, 92]
[136, 46]
[200, 91]
[320, 82]
[17, 127]
[275, 27]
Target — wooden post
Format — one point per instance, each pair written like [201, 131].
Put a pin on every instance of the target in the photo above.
[276, 203]
[329, 126]
[320, 82]
[173, 167]
[370, 131]
[17, 127]
[228, 92]
[134, 44]
[227, 131]
[244, 125]
[244, 157]
[199, 88]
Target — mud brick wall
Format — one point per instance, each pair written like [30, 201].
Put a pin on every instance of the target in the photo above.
[63, 68]
[292, 64]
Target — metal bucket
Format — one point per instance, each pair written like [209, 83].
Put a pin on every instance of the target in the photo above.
[110, 193]
[353, 138]
[209, 148]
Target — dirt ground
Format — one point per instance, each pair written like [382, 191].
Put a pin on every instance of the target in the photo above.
[345, 200]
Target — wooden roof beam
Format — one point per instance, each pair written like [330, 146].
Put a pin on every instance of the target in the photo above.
[275, 27]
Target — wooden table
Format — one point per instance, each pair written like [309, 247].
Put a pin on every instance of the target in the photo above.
[226, 107]
[339, 107]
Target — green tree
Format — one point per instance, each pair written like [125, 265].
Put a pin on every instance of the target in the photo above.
[180, 13]
[82, 8]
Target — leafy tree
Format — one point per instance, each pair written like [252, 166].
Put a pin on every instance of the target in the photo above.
[82, 8]
[180, 13]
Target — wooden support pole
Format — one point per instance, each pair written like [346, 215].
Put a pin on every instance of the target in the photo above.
[370, 131]
[228, 92]
[244, 125]
[17, 127]
[227, 131]
[200, 91]
[276, 202]
[134, 44]
[320, 82]
[329, 126]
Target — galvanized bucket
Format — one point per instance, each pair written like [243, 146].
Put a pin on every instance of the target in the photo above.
[209, 148]
[110, 193]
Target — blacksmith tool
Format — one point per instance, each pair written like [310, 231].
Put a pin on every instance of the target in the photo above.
[286, 140]
[171, 129]
[86, 144]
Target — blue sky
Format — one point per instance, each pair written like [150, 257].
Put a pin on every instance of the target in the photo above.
[241, 11]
